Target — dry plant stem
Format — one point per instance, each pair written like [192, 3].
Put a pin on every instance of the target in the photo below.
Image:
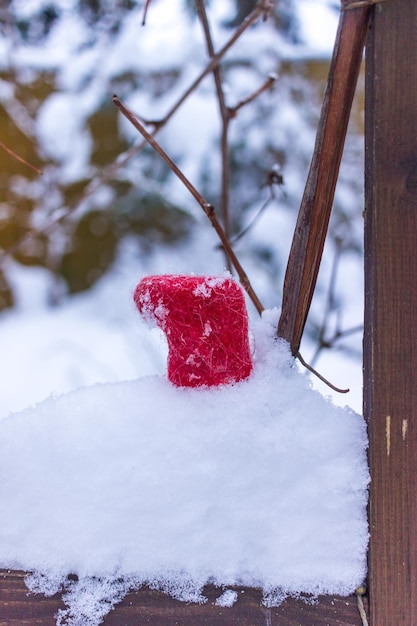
[322, 378]
[63, 215]
[266, 85]
[259, 213]
[225, 118]
[252, 223]
[207, 208]
[260, 9]
[331, 341]
[145, 11]
[361, 610]
[322, 341]
[18, 158]
[311, 227]
[226, 115]
[347, 6]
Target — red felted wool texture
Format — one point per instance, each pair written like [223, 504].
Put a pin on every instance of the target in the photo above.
[206, 325]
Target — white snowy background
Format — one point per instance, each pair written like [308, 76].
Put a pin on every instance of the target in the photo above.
[87, 338]
[98, 337]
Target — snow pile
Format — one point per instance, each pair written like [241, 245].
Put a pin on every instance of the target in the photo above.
[93, 337]
[261, 483]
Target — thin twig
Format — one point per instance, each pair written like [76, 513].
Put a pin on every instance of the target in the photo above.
[225, 118]
[260, 9]
[316, 373]
[63, 215]
[145, 11]
[322, 342]
[251, 224]
[329, 305]
[337, 336]
[266, 85]
[19, 158]
[347, 6]
[359, 593]
[273, 178]
[207, 208]
[226, 114]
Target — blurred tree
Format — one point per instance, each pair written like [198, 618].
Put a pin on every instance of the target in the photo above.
[62, 63]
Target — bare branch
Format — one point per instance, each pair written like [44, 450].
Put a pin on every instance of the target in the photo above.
[322, 378]
[216, 59]
[19, 158]
[202, 13]
[347, 5]
[260, 9]
[252, 223]
[274, 177]
[324, 341]
[145, 11]
[266, 85]
[227, 113]
[225, 118]
[207, 208]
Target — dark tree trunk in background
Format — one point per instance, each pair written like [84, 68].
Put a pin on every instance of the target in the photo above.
[390, 343]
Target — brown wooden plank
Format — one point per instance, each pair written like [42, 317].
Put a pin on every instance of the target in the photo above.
[390, 345]
[145, 606]
[17, 607]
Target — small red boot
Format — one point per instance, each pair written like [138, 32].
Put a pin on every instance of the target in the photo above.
[206, 324]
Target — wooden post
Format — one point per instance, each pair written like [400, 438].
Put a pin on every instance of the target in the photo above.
[390, 342]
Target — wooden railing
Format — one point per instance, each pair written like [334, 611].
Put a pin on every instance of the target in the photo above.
[154, 608]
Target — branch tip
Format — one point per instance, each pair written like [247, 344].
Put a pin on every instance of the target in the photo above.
[20, 159]
[322, 378]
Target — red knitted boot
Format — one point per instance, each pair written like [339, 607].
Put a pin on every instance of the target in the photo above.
[206, 324]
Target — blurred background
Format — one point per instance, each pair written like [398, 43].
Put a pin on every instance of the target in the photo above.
[75, 240]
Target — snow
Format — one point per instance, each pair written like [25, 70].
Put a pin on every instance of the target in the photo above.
[261, 483]
[228, 598]
[90, 338]
[57, 139]
[131, 481]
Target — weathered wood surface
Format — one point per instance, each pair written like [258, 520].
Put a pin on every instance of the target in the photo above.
[390, 345]
[20, 608]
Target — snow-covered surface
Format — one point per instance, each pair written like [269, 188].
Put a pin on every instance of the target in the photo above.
[88, 338]
[93, 337]
[293, 518]
[260, 483]
[98, 336]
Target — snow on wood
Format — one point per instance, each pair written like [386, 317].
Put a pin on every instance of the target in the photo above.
[261, 483]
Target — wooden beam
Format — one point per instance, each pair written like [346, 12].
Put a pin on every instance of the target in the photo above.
[145, 606]
[390, 342]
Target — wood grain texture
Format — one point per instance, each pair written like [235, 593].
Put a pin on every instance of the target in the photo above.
[390, 343]
[20, 608]
[316, 205]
